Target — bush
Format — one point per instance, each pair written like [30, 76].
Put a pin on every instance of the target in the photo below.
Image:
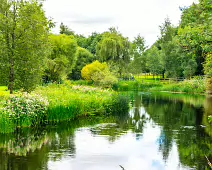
[210, 119]
[105, 79]
[209, 85]
[99, 73]
[26, 110]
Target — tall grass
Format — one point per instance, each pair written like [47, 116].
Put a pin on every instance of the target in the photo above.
[68, 102]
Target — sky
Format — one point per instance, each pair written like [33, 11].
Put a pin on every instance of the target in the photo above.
[131, 17]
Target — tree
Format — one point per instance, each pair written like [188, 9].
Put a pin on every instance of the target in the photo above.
[23, 38]
[195, 32]
[170, 50]
[84, 57]
[154, 61]
[138, 63]
[62, 58]
[114, 48]
[189, 68]
[65, 30]
[92, 42]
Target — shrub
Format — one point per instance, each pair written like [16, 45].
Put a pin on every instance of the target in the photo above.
[92, 68]
[210, 119]
[99, 73]
[105, 79]
[209, 85]
[26, 109]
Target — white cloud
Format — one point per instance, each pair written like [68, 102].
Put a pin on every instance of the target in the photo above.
[130, 16]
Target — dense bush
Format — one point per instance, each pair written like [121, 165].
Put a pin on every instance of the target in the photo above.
[99, 73]
[26, 109]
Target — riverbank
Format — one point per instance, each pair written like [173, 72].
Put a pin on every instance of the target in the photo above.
[65, 102]
[193, 86]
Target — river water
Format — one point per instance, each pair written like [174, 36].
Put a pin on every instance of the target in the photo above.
[160, 132]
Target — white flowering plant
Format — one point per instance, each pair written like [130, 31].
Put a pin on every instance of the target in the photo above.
[27, 109]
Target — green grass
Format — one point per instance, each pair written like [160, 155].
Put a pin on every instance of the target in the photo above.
[193, 86]
[186, 86]
[136, 85]
[67, 102]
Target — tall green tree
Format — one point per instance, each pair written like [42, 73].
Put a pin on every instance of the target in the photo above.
[153, 62]
[62, 58]
[195, 32]
[65, 30]
[23, 43]
[114, 48]
[138, 63]
[84, 57]
[168, 44]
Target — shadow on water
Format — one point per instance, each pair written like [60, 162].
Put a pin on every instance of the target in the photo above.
[180, 119]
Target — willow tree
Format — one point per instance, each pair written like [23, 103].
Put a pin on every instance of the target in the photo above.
[23, 43]
[115, 49]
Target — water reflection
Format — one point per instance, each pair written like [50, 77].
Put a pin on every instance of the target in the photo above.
[159, 132]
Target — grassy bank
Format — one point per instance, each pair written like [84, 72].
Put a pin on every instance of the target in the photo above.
[65, 102]
[194, 86]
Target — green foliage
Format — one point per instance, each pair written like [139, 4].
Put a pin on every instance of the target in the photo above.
[104, 79]
[190, 68]
[7, 124]
[84, 57]
[99, 73]
[65, 30]
[115, 48]
[194, 32]
[26, 110]
[138, 64]
[68, 102]
[23, 43]
[153, 61]
[193, 86]
[210, 119]
[136, 85]
[92, 42]
[62, 58]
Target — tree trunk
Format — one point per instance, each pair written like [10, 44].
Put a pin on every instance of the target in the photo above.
[12, 52]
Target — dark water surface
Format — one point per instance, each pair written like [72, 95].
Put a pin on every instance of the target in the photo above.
[160, 132]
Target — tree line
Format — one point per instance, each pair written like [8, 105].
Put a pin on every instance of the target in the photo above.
[30, 54]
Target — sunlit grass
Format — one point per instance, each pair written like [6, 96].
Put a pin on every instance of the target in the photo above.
[186, 86]
[68, 102]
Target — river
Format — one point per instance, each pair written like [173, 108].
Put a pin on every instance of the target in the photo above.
[160, 132]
